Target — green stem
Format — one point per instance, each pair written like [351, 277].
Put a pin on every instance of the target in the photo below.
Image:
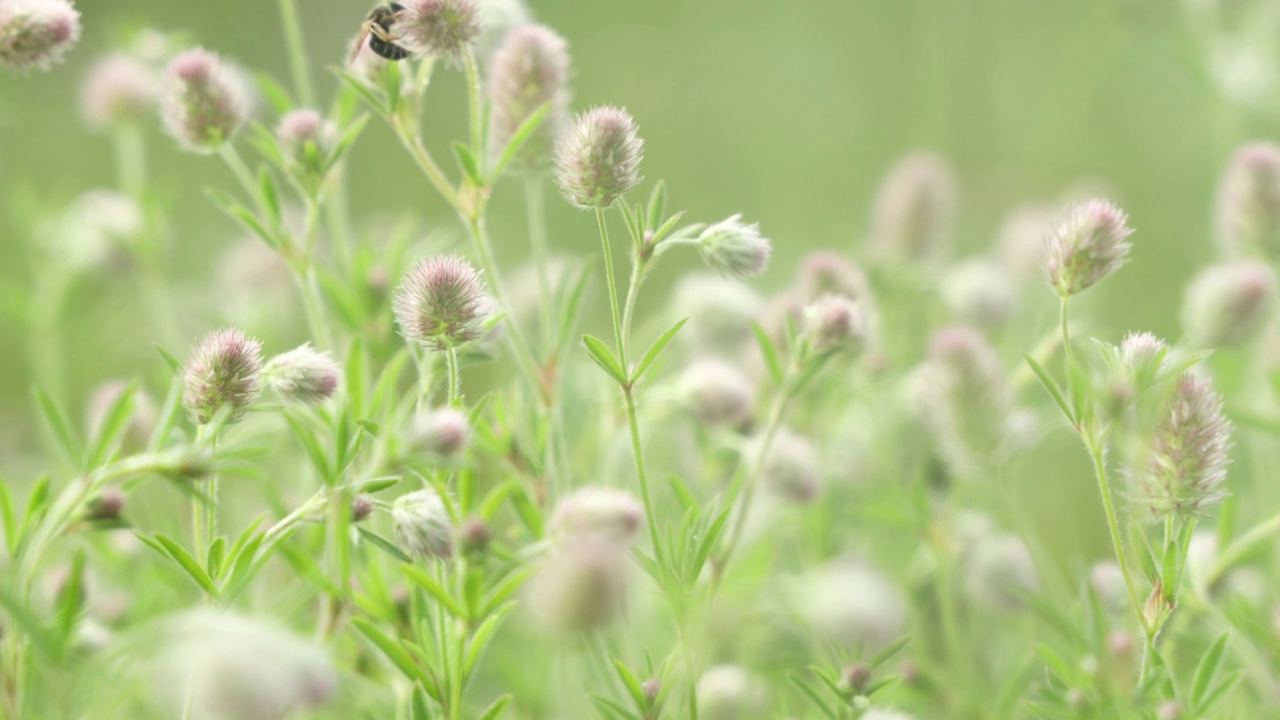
[309, 281]
[519, 344]
[474, 100]
[1113, 526]
[612, 288]
[297, 52]
[425, 162]
[1069, 359]
[455, 378]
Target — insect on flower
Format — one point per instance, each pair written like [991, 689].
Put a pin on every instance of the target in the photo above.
[377, 28]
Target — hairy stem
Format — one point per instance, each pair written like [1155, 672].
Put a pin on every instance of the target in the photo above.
[297, 52]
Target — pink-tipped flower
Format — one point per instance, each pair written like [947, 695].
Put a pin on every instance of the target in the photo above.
[1086, 245]
[528, 70]
[834, 323]
[37, 33]
[443, 432]
[1248, 204]
[440, 303]
[440, 28]
[306, 138]
[224, 369]
[422, 527]
[914, 210]
[583, 586]
[597, 158]
[827, 272]
[1184, 462]
[718, 393]
[720, 312]
[734, 248]
[979, 292]
[120, 89]
[303, 374]
[205, 101]
[594, 510]
[1227, 303]
[791, 470]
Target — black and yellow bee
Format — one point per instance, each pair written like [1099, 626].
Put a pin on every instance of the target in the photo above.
[377, 28]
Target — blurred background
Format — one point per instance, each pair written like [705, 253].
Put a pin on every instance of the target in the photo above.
[788, 112]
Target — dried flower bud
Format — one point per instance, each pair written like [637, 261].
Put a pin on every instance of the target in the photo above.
[650, 688]
[915, 209]
[225, 368]
[106, 505]
[835, 323]
[998, 571]
[529, 69]
[37, 33]
[306, 138]
[303, 374]
[1086, 245]
[979, 292]
[791, 469]
[440, 28]
[595, 510]
[854, 679]
[597, 158]
[1227, 303]
[852, 604]
[718, 393]
[1248, 204]
[422, 526]
[474, 536]
[205, 102]
[729, 692]
[120, 89]
[361, 507]
[443, 432]
[218, 664]
[1184, 463]
[583, 586]
[734, 248]
[720, 312]
[440, 303]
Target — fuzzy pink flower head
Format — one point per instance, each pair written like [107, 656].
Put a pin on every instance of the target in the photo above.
[583, 586]
[718, 393]
[824, 272]
[303, 374]
[1183, 465]
[833, 323]
[205, 102]
[528, 70]
[1086, 245]
[597, 511]
[597, 158]
[422, 526]
[224, 369]
[120, 89]
[443, 432]
[306, 137]
[440, 303]
[1227, 303]
[792, 469]
[915, 209]
[37, 33]
[1248, 204]
[734, 248]
[440, 28]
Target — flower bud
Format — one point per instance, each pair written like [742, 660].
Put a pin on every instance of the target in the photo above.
[37, 33]
[225, 368]
[205, 102]
[650, 688]
[119, 90]
[303, 374]
[1183, 465]
[734, 248]
[1227, 303]
[717, 393]
[791, 469]
[440, 302]
[595, 510]
[833, 323]
[728, 692]
[306, 138]
[1248, 203]
[914, 209]
[443, 432]
[854, 679]
[1086, 245]
[361, 508]
[529, 69]
[440, 28]
[422, 527]
[720, 312]
[979, 292]
[474, 536]
[1169, 710]
[583, 586]
[106, 505]
[597, 158]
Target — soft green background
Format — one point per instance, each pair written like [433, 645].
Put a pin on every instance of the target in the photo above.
[789, 112]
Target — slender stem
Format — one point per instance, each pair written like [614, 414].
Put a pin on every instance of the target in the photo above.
[1113, 526]
[474, 100]
[211, 508]
[612, 288]
[637, 451]
[752, 477]
[638, 270]
[309, 281]
[425, 162]
[1066, 338]
[131, 161]
[297, 52]
[536, 216]
[455, 379]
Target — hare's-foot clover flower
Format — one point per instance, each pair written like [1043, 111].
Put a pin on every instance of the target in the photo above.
[440, 303]
[205, 102]
[304, 374]
[1248, 204]
[597, 158]
[37, 33]
[224, 369]
[528, 70]
[1086, 245]
[914, 210]
[422, 527]
[119, 89]
[1227, 303]
[734, 248]
[439, 28]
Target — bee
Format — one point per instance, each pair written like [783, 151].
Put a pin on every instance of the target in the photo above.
[377, 28]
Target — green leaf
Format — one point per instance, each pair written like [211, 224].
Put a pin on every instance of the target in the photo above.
[394, 651]
[270, 196]
[242, 216]
[571, 304]
[22, 616]
[1206, 670]
[7, 518]
[385, 544]
[59, 430]
[311, 444]
[345, 142]
[167, 420]
[527, 510]
[657, 205]
[504, 590]
[495, 708]
[37, 500]
[71, 598]
[467, 164]
[376, 103]
[656, 349]
[708, 542]
[481, 637]
[379, 484]
[423, 579]
[307, 568]
[174, 363]
[683, 495]
[632, 684]
[887, 652]
[113, 426]
[1211, 698]
[274, 92]
[184, 560]
[769, 352]
[213, 561]
[812, 693]
[1051, 387]
[612, 708]
[419, 709]
[517, 141]
[604, 358]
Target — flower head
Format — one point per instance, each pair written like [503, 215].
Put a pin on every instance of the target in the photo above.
[422, 527]
[119, 89]
[852, 604]
[826, 272]
[306, 137]
[594, 510]
[1086, 245]
[440, 28]
[443, 432]
[791, 469]
[718, 393]
[529, 69]
[597, 158]
[729, 692]
[979, 292]
[1248, 204]
[205, 102]
[225, 368]
[440, 303]
[834, 322]
[720, 312]
[583, 585]
[37, 33]
[1184, 462]
[304, 374]
[1227, 303]
[914, 210]
[734, 248]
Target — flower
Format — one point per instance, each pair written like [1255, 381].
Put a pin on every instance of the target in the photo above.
[204, 101]
[583, 586]
[718, 393]
[1247, 215]
[1227, 303]
[306, 138]
[594, 510]
[914, 210]
[597, 158]
[833, 323]
[119, 89]
[304, 374]
[224, 369]
[1086, 245]
[734, 248]
[443, 432]
[979, 292]
[440, 28]
[729, 692]
[791, 469]
[37, 33]
[422, 526]
[529, 69]
[440, 303]
[720, 312]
